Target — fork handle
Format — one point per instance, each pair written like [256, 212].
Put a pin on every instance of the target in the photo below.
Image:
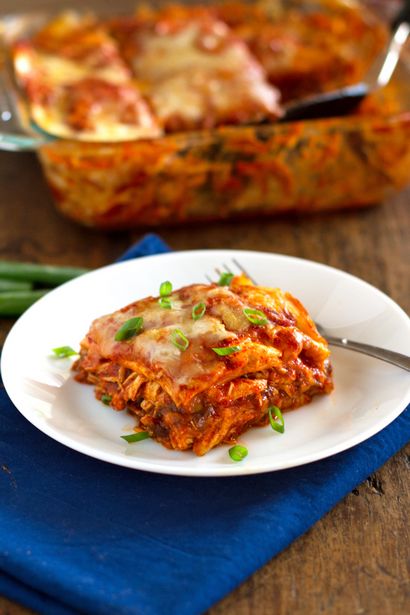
[400, 360]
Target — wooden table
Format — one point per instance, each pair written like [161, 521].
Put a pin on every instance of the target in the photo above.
[353, 561]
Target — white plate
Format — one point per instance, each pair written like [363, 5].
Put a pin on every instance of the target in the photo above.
[368, 394]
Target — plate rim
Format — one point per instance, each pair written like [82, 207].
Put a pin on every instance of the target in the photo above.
[163, 467]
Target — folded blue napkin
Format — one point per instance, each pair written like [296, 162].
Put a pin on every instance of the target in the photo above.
[78, 535]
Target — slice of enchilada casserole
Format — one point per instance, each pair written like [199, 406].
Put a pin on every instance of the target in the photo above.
[203, 364]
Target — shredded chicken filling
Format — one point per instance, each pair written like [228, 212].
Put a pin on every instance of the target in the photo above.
[218, 415]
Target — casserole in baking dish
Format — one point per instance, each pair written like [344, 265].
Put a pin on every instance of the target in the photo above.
[171, 115]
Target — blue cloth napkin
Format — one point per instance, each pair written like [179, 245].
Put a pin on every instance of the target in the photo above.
[78, 535]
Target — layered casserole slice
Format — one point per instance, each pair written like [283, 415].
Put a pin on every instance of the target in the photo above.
[197, 72]
[203, 364]
[77, 84]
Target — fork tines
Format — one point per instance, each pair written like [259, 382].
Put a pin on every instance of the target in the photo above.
[226, 269]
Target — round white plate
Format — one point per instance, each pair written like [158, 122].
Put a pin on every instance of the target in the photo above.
[368, 394]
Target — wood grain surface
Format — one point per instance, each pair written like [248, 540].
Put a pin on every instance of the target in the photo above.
[356, 559]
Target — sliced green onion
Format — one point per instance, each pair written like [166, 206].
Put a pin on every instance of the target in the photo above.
[14, 303]
[256, 317]
[35, 272]
[238, 452]
[165, 289]
[179, 339]
[224, 352]
[136, 437]
[225, 279]
[198, 310]
[10, 285]
[129, 329]
[64, 351]
[276, 419]
[106, 399]
[165, 302]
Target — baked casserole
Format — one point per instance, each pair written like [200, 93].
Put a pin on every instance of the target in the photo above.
[201, 365]
[173, 114]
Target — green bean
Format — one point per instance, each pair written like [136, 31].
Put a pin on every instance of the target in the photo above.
[11, 285]
[15, 303]
[36, 272]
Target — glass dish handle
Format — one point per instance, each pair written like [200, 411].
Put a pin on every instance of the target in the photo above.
[20, 143]
[14, 136]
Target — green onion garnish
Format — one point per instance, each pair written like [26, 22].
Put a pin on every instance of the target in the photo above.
[165, 289]
[106, 399]
[130, 328]
[64, 351]
[256, 317]
[276, 419]
[238, 452]
[198, 310]
[165, 302]
[224, 352]
[225, 279]
[136, 437]
[179, 339]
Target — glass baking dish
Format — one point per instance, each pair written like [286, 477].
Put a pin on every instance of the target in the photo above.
[220, 173]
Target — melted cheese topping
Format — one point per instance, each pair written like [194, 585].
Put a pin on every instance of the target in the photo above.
[199, 98]
[194, 46]
[57, 71]
[202, 76]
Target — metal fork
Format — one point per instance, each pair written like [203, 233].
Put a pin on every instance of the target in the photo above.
[395, 358]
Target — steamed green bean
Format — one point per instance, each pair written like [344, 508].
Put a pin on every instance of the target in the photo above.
[35, 272]
[15, 303]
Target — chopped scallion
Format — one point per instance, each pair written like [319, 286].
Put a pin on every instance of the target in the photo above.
[224, 352]
[64, 351]
[179, 339]
[129, 329]
[276, 419]
[225, 279]
[256, 317]
[165, 289]
[165, 302]
[136, 437]
[238, 452]
[198, 310]
[106, 399]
